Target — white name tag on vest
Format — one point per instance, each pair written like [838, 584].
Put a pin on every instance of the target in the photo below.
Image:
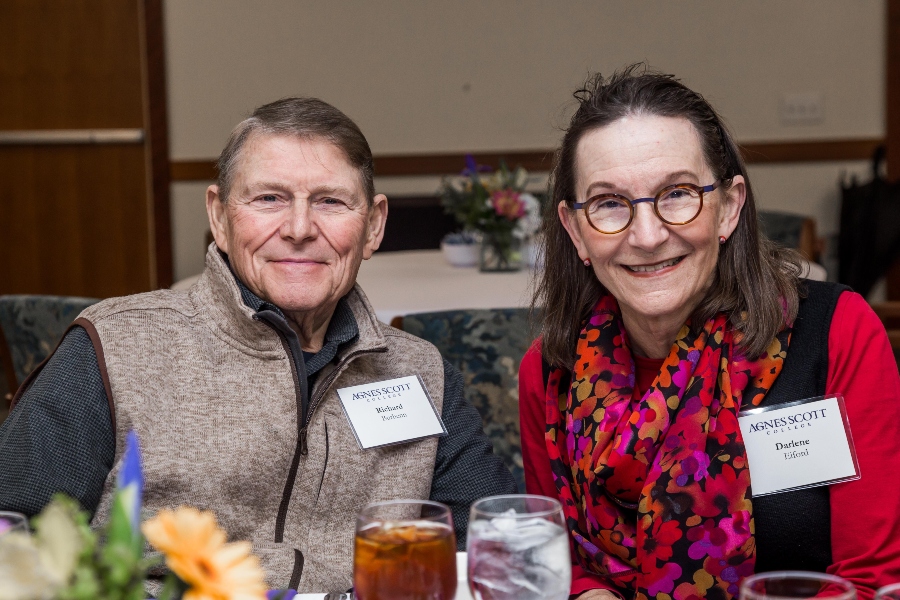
[798, 445]
[390, 412]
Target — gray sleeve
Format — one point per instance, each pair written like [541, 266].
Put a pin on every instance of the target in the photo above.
[59, 437]
[466, 467]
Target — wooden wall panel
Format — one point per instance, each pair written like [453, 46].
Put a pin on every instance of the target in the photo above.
[70, 64]
[157, 126]
[542, 160]
[84, 219]
[74, 220]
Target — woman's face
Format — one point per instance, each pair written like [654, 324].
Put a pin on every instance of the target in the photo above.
[655, 271]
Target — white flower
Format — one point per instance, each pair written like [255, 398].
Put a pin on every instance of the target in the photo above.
[530, 222]
[23, 572]
[37, 567]
[59, 541]
[520, 178]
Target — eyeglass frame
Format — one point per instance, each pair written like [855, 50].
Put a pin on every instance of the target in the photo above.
[654, 199]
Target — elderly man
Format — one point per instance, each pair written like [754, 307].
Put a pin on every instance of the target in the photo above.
[234, 386]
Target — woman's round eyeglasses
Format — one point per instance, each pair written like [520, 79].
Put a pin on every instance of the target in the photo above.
[677, 204]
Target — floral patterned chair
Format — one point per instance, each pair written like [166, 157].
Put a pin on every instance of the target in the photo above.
[487, 347]
[30, 328]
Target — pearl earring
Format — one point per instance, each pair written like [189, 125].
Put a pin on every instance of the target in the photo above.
[587, 262]
[722, 239]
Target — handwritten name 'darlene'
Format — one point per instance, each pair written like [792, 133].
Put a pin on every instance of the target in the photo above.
[795, 421]
[793, 444]
[384, 393]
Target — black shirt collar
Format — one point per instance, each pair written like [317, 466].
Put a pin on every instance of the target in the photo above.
[342, 329]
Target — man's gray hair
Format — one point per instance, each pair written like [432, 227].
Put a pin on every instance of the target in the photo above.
[303, 118]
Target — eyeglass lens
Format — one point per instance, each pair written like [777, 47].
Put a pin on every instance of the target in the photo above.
[674, 206]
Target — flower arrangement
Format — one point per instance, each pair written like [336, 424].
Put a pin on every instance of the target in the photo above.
[201, 564]
[66, 560]
[495, 204]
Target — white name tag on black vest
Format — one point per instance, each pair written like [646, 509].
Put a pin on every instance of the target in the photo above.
[390, 412]
[798, 445]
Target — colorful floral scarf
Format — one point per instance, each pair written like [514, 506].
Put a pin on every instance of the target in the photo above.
[656, 490]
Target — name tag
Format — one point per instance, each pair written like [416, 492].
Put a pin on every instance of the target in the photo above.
[798, 445]
[390, 412]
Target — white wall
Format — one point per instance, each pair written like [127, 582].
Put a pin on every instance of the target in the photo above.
[483, 75]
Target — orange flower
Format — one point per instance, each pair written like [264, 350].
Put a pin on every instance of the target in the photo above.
[196, 551]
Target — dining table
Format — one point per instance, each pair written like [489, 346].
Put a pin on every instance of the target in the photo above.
[415, 281]
[400, 283]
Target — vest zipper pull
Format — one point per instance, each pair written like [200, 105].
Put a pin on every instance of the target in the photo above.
[303, 448]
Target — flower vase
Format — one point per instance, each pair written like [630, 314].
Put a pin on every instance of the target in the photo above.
[500, 253]
[461, 249]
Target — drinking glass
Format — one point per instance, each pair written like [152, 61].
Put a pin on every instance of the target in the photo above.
[888, 592]
[12, 521]
[518, 549]
[404, 550]
[796, 585]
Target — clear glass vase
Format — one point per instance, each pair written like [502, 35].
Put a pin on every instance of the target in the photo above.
[500, 253]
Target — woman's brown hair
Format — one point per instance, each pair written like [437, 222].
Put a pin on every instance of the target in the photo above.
[755, 281]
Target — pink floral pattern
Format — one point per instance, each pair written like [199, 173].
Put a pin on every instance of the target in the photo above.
[656, 489]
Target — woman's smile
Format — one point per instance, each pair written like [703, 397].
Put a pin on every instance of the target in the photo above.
[662, 267]
[654, 269]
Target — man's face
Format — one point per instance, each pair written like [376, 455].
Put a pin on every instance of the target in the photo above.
[297, 224]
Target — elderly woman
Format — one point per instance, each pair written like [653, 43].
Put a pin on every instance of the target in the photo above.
[665, 313]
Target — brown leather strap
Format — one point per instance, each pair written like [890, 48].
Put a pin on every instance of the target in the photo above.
[101, 363]
[6, 361]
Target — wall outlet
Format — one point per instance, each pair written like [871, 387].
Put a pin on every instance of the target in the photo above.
[802, 108]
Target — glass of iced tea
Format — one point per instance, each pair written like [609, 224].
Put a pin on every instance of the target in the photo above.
[404, 550]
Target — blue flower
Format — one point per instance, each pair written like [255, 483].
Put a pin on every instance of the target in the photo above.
[471, 165]
[130, 482]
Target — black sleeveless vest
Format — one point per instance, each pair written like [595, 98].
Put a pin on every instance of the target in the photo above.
[793, 529]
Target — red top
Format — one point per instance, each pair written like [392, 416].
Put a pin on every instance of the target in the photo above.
[865, 514]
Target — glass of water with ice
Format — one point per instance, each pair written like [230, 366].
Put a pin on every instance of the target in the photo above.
[518, 549]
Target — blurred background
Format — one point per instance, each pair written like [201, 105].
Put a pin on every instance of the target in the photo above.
[112, 112]
[802, 83]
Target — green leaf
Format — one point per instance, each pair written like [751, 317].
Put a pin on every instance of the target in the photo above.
[85, 585]
[119, 528]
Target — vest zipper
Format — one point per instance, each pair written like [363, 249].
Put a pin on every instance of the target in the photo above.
[314, 400]
[302, 448]
[281, 517]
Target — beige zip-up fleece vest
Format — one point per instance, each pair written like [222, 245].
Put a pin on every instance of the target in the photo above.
[212, 395]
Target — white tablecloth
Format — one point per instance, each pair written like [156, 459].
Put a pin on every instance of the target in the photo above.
[400, 283]
[462, 582]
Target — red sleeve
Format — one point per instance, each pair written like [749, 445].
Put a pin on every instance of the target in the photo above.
[538, 477]
[865, 514]
[533, 424]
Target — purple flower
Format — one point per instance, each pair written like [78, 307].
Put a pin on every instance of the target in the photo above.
[130, 481]
[471, 165]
